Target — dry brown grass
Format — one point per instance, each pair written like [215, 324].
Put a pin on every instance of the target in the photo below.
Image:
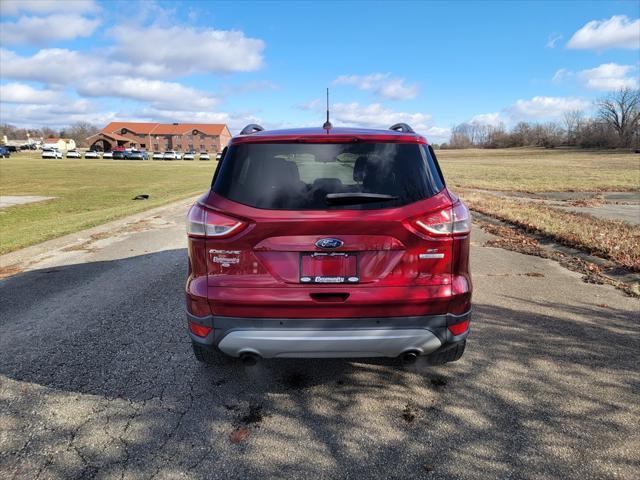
[614, 240]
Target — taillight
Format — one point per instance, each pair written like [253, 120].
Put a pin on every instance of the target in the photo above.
[203, 223]
[199, 330]
[451, 220]
[459, 328]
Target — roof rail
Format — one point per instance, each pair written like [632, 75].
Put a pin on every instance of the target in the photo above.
[401, 127]
[251, 128]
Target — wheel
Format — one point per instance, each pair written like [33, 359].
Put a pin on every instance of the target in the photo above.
[449, 355]
[203, 355]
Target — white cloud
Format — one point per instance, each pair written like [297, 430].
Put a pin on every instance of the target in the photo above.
[43, 30]
[383, 84]
[437, 134]
[618, 31]
[62, 66]
[493, 119]
[545, 107]
[363, 82]
[553, 39]
[609, 76]
[52, 65]
[23, 93]
[375, 115]
[561, 74]
[93, 76]
[161, 94]
[55, 115]
[12, 7]
[181, 51]
[137, 66]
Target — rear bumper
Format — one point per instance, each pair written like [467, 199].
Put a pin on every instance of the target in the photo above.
[324, 338]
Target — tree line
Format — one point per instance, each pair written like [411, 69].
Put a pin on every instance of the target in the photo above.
[79, 132]
[615, 124]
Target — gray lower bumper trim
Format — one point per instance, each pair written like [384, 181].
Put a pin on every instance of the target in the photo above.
[327, 344]
[328, 337]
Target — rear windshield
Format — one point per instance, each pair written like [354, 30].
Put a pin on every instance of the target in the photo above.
[302, 176]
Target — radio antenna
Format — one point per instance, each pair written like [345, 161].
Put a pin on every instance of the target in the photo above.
[327, 125]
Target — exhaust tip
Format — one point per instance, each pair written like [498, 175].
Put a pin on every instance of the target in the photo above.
[408, 358]
[249, 359]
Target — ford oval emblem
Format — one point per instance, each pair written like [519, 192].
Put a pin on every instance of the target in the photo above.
[329, 243]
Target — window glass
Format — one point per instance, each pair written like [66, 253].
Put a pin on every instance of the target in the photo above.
[300, 176]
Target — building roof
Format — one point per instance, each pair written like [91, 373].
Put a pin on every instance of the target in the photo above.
[112, 136]
[146, 128]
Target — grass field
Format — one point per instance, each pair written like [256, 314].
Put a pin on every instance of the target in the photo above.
[88, 193]
[541, 170]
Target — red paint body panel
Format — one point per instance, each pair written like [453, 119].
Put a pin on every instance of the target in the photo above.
[256, 272]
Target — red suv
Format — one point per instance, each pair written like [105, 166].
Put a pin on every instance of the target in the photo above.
[329, 242]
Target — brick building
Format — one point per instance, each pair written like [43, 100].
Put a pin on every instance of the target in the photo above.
[160, 137]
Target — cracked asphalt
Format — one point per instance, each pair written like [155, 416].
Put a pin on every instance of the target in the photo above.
[97, 379]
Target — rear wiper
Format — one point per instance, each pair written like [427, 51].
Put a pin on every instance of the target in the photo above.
[354, 198]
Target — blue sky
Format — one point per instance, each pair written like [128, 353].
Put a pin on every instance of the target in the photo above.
[431, 64]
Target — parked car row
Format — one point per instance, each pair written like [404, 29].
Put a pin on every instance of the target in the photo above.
[55, 153]
[122, 154]
[173, 155]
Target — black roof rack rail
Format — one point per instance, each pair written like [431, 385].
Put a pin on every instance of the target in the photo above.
[251, 128]
[401, 127]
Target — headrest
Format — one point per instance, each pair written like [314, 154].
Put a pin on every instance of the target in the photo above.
[358, 168]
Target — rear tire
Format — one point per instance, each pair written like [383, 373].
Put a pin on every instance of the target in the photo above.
[203, 355]
[447, 356]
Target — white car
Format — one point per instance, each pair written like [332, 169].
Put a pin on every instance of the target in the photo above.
[107, 155]
[51, 153]
[158, 156]
[171, 155]
[91, 154]
[218, 155]
[204, 156]
[189, 156]
[73, 154]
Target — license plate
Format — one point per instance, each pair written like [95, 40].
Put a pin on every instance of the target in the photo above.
[329, 267]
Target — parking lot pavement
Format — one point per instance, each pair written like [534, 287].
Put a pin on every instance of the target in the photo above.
[97, 380]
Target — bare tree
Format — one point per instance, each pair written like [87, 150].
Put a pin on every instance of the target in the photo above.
[47, 132]
[460, 136]
[79, 131]
[621, 111]
[573, 121]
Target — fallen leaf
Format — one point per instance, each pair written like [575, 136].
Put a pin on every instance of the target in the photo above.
[239, 434]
